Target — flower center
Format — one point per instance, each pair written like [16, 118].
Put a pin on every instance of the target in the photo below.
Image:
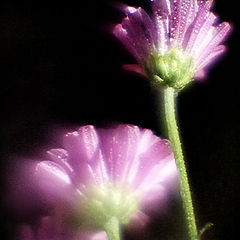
[173, 69]
[103, 203]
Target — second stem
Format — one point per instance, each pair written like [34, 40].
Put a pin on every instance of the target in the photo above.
[173, 135]
[112, 229]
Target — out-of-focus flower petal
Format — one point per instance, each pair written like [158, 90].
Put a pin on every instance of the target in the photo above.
[156, 155]
[47, 229]
[61, 157]
[82, 146]
[119, 147]
[26, 233]
[92, 236]
[52, 181]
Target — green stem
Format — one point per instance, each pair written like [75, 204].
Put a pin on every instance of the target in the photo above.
[173, 135]
[112, 229]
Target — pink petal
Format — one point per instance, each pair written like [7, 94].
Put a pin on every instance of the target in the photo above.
[156, 155]
[200, 75]
[119, 147]
[140, 30]
[204, 36]
[123, 36]
[144, 141]
[143, 23]
[53, 183]
[218, 35]
[134, 68]
[156, 187]
[212, 56]
[92, 236]
[82, 147]
[193, 31]
[161, 10]
[61, 157]
[182, 14]
[161, 175]
[24, 196]
[84, 142]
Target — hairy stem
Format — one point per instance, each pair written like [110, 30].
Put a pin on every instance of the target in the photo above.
[173, 135]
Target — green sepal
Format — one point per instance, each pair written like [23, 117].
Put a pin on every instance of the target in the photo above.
[173, 69]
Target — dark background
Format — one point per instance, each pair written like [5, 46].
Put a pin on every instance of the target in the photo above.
[60, 67]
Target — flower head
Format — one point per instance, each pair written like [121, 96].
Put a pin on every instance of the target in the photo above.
[105, 173]
[177, 44]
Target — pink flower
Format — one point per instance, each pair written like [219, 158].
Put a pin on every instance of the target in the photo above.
[49, 229]
[103, 173]
[178, 43]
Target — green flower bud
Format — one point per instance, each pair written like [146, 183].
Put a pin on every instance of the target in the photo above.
[173, 69]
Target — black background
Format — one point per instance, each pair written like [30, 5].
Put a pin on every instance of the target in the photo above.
[60, 68]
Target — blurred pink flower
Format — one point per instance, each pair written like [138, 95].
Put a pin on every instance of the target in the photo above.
[187, 26]
[102, 173]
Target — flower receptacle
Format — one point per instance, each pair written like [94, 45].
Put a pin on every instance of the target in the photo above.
[173, 69]
[104, 203]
